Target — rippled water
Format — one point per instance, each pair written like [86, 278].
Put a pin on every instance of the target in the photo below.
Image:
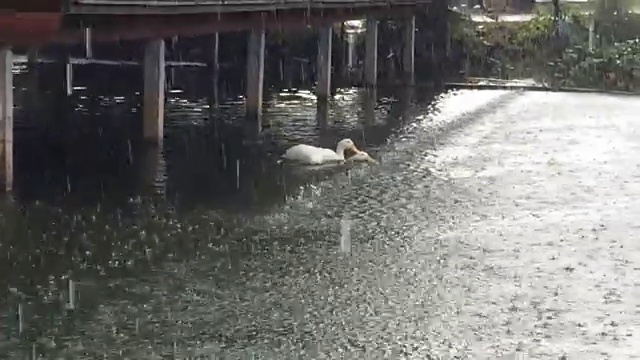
[212, 248]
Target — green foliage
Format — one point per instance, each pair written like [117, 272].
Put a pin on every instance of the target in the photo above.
[464, 32]
[526, 36]
[612, 67]
[531, 50]
[531, 34]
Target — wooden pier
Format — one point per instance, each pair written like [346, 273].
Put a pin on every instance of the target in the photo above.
[31, 24]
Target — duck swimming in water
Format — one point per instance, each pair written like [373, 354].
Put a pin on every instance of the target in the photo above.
[313, 155]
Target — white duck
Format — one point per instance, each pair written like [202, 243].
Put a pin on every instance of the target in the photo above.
[313, 155]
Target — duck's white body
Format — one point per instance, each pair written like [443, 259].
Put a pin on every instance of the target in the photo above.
[313, 155]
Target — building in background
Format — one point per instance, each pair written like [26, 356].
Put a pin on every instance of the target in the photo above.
[504, 6]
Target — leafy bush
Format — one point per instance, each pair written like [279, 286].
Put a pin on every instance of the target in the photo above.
[531, 49]
[531, 34]
[611, 67]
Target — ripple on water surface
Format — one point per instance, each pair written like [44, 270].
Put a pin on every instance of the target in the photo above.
[352, 265]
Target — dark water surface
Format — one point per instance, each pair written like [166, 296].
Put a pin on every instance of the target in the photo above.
[512, 236]
[210, 247]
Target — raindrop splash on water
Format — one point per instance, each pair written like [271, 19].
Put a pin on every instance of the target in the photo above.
[72, 295]
[20, 319]
[345, 235]
[298, 315]
[130, 152]
[224, 156]
[238, 174]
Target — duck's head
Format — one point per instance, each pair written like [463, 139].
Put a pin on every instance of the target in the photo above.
[346, 145]
[363, 156]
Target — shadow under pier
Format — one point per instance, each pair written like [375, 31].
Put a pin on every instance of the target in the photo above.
[208, 51]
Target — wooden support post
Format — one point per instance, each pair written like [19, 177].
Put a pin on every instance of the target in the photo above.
[32, 58]
[32, 65]
[33, 88]
[68, 76]
[556, 9]
[351, 44]
[323, 87]
[175, 54]
[408, 50]
[592, 32]
[214, 68]
[154, 88]
[6, 118]
[371, 53]
[88, 44]
[447, 50]
[255, 77]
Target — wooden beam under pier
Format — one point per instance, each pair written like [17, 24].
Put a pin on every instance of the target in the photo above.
[35, 30]
[186, 7]
[22, 59]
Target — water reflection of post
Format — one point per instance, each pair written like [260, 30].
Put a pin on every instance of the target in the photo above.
[406, 101]
[152, 170]
[370, 98]
[154, 92]
[322, 116]
[57, 125]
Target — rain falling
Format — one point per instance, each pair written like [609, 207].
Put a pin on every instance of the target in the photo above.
[382, 181]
